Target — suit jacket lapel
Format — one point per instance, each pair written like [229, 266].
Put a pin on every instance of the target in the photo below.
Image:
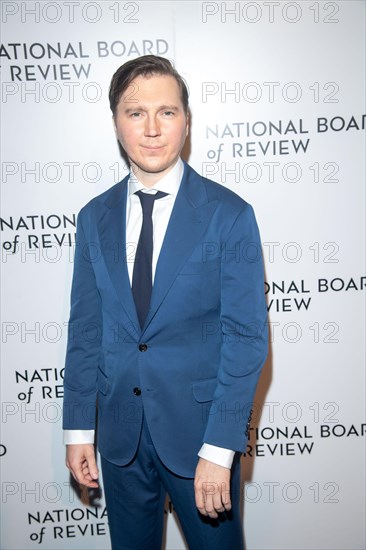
[112, 233]
[190, 217]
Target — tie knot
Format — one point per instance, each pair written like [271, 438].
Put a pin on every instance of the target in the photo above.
[147, 200]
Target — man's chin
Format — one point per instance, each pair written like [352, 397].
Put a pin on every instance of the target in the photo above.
[151, 168]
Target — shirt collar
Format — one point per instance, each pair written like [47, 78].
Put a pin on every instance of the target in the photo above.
[168, 184]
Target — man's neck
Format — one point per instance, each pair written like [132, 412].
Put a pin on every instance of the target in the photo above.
[150, 179]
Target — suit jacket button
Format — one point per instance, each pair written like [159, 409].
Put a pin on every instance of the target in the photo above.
[143, 347]
[137, 391]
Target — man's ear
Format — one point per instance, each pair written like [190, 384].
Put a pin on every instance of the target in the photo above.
[188, 123]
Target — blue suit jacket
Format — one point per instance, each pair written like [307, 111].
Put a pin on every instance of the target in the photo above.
[205, 336]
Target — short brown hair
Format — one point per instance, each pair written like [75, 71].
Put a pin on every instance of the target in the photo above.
[146, 65]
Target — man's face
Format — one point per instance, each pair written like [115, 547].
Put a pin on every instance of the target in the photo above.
[151, 126]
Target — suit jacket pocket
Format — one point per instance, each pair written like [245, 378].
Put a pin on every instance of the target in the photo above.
[203, 390]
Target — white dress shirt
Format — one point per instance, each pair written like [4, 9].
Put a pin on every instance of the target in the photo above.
[160, 217]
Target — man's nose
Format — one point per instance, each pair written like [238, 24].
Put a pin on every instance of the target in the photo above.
[152, 127]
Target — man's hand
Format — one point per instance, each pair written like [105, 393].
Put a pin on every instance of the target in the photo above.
[80, 460]
[212, 488]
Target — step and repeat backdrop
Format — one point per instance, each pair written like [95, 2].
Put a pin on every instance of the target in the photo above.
[278, 116]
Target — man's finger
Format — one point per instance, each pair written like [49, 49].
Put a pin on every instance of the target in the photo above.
[92, 465]
[218, 499]
[210, 506]
[198, 495]
[225, 497]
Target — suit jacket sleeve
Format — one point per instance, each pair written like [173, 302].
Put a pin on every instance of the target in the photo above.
[244, 334]
[85, 328]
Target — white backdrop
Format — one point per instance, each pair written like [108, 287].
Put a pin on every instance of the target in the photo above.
[277, 100]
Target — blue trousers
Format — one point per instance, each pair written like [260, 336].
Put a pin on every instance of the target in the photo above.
[135, 496]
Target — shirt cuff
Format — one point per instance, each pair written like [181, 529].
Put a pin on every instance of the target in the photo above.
[78, 437]
[217, 455]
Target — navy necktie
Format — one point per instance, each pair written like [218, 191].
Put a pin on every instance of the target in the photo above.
[142, 270]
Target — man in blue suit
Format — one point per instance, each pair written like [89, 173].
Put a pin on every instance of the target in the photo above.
[167, 329]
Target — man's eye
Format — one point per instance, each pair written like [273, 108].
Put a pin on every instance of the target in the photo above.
[168, 113]
[135, 115]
